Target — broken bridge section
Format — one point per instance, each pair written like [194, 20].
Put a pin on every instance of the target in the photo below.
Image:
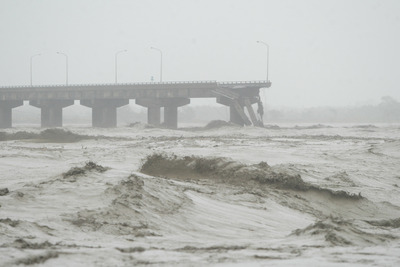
[236, 102]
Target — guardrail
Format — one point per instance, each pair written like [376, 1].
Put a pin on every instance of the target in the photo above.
[245, 82]
[139, 83]
[109, 84]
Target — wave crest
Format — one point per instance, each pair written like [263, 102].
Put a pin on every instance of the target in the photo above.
[229, 171]
[339, 232]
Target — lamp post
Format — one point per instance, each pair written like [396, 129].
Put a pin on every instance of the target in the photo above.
[263, 43]
[66, 66]
[116, 64]
[31, 64]
[159, 50]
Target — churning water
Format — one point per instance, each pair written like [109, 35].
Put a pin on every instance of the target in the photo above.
[283, 195]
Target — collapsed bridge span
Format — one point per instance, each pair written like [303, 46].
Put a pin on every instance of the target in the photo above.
[104, 99]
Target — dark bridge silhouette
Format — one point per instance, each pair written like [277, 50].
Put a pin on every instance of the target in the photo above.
[104, 99]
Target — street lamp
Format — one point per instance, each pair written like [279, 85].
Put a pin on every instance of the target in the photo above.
[159, 50]
[116, 64]
[66, 66]
[261, 42]
[31, 64]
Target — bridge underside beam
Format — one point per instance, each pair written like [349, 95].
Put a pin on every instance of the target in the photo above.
[104, 111]
[6, 107]
[51, 111]
[170, 110]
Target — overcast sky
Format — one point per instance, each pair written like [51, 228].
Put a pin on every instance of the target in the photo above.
[336, 53]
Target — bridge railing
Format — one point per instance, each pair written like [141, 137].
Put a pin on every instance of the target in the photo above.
[138, 84]
[111, 84]
[244, 82]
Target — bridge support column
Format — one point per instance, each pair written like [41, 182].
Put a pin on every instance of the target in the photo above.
[236, 110]
[6, 107]
[104, 111]
[153, 106]
[170, 109]
[234, 115]
[171, 117]
[51, 111]
[153, 116]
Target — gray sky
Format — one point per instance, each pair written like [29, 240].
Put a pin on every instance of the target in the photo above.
[338, 53]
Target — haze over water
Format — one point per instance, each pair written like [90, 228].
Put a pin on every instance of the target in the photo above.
[335, 53]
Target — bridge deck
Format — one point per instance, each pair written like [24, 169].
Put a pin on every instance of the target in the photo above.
[194, 89]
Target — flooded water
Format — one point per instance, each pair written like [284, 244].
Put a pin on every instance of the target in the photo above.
[319, 195]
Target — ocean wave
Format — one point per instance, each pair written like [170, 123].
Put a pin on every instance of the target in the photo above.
[10, 228]
[21, 243]
[390, 148]
[339, 232]
[141, 125]
[272, 127]
[217, 248]
[55, 135]
[365, 126]
[340, 179]
[335, 137]
[392, 223]
[212, 125]
[37, 259]
[121, 217]
[10, 222]
[219, 124]
[133, 209]
[89, 166]
[311, 127]
[229, 171]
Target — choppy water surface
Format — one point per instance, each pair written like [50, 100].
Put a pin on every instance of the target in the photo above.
[305, 195]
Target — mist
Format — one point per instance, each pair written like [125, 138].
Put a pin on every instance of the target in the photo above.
[322, 53]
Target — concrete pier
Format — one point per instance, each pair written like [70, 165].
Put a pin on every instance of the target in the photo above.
[171, 117]
[51, 111]
[104, 111]
[153, 106]
[170, 110]
[154, 116]
[6, 107]
[234, 115]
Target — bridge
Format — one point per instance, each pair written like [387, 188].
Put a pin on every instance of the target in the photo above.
[104, 99]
